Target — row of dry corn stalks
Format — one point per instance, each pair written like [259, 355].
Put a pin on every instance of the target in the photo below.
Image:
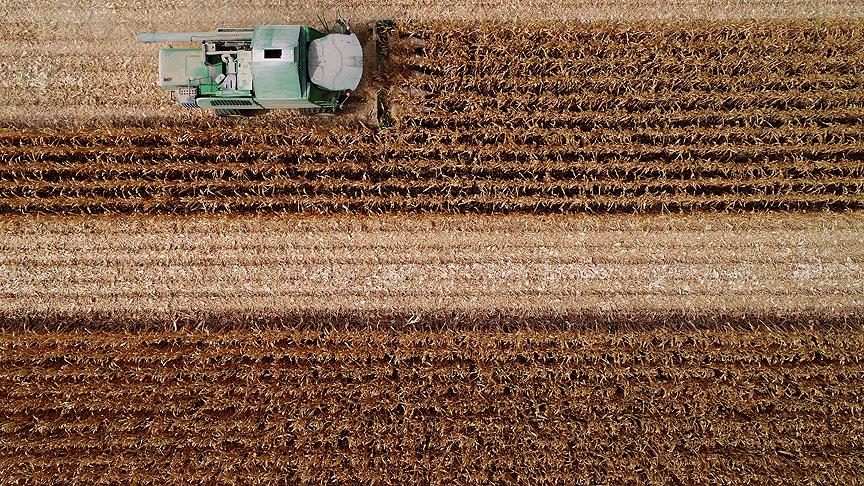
[508, 117]
[389, 407]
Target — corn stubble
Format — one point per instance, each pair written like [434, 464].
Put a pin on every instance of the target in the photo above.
[561, 266]
[699, 386]
[504, 117]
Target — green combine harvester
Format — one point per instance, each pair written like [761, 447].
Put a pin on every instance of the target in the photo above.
[241, 72]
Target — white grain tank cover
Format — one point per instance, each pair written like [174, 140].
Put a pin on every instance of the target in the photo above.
[336, 62]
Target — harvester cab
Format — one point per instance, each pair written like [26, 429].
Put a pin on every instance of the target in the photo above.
[245, 71]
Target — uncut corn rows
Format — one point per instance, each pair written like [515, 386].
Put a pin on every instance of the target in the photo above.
[555, 406]
[503, 117]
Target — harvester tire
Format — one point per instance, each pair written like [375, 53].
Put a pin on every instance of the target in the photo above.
[238, 113]
[318, 111]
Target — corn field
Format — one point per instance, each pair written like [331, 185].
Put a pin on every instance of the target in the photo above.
[395, 407]
[500, 117]
[174, 307]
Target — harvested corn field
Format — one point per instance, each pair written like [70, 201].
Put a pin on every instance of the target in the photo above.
[392, 407]
[432, 349]
[128, 269]
[501, 117]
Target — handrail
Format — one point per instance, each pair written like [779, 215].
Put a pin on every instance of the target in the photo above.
[234, 35]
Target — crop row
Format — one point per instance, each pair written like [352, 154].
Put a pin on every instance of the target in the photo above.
[460, 187]
[634, 103]
[501, 116]
[721, 36]
[418, 116]
[746, 125]
[829, 198]
[464, 406]
[664, 149]
[620, 171]
[622, 83]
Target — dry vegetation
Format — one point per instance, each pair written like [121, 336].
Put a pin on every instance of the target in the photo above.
[410, 349]
[499, 117]
[110, 270]
[389, 407]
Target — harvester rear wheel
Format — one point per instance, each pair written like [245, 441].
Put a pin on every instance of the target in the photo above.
[238, 113]
[318, 111]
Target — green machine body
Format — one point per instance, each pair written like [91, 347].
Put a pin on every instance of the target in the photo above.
[245, 71]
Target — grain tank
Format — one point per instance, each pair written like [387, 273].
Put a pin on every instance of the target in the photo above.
[245, 71]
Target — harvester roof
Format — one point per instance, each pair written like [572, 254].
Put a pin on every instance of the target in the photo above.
[278, 64]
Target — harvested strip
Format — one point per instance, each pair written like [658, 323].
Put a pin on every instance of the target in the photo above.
[780, 264]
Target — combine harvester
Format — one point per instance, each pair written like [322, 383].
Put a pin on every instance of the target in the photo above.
[242, 72]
